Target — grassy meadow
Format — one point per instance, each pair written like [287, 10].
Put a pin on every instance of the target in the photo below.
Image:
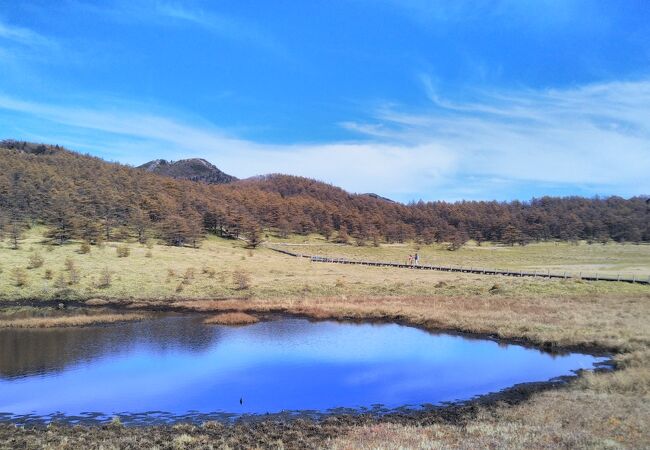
[599, 410]
[223, 268]
[558, 257]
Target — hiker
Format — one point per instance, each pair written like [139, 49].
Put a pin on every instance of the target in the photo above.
[410, 260]
[417, 259]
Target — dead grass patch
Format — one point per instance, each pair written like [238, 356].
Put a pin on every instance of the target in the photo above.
[69, 321]
[232, 318]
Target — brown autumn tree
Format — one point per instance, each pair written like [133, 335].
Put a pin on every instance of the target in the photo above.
[37, 179]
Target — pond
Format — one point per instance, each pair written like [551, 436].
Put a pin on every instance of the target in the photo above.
[175, 367]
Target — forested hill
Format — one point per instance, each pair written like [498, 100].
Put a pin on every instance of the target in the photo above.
[83, 197]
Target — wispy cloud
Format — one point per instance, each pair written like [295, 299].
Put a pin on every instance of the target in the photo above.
[134, 138]
[592, 135]
[592, 139]
[220, 24]
[23, 36]
[542, 13]
[170, 13]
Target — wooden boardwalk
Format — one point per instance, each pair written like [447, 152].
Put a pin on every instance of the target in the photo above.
[479, 271]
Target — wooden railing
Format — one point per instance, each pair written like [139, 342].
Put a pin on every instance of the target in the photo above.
[476, 270]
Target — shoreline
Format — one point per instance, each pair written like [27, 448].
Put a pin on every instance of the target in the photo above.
[406, 415]
[452, 412]
[136, 306]
[198, 306]
[491, 318]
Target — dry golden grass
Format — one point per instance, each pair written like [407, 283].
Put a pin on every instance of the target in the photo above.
[576, 417]
[235, 318]
[611, 258]
[601, 321]
[215, 271]
[604, 410]
[561, 419]
[69, 321]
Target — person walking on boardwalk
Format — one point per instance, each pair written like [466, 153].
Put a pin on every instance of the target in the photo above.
[410, 260]
[417, 259]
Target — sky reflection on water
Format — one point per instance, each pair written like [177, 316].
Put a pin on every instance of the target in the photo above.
[177, 365]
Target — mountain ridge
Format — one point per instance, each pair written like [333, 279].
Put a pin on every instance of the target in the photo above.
[193, 169]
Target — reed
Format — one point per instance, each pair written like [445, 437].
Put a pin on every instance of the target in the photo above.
[70, 321]
[234, 318]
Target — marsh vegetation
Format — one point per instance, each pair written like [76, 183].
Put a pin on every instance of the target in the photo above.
[223, 268]
[612, 407]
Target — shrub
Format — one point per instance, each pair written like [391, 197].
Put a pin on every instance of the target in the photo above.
[73, 276]
[188, 276]
[69, 264]
[495, 289]
[84, 248]
[343, 237]
[19, 276]
[105, 278]
[148, 254]
[171, 273]
[242, 279]
[48, 274]
[35, 261]
[123, 251]
[60, 282]
[116, 422]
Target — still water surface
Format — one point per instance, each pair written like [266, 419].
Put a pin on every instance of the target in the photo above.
[178, 366]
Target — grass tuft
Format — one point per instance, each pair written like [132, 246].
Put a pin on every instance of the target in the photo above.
[231, 318]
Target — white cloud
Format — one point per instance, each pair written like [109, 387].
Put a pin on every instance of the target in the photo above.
[23, 36]
[590, 139]
[355, 165]
[538, 15]
[595, 135]
[223, 25]
[166, 13]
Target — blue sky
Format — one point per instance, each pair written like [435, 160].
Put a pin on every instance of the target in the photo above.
[411, 99]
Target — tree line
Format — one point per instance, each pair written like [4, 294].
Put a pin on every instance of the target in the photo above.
[83, 197]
